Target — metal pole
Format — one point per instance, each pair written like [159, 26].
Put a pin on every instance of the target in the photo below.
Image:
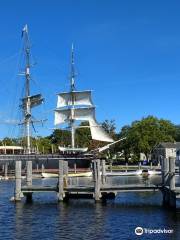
[18, 181]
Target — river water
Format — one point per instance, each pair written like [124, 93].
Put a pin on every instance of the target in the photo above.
[83, 219]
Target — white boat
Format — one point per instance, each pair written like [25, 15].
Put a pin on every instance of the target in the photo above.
[130, 173]
[150, 172]
[55, 175]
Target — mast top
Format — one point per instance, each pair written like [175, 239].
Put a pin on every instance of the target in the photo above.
[72, 76]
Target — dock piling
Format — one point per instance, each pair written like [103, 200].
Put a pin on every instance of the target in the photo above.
[29, 173]
[172, 173]
[60, 184]
[6, 171]
[17, 181]
[103, 165]
[97, 180]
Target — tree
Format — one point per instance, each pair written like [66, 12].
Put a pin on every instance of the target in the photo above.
[109, 127]
[143, 135]
[60, 137]
[125, 145]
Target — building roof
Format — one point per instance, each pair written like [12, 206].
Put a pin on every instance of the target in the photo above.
[169, 145]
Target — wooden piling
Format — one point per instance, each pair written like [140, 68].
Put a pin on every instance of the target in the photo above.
[65, 173]
[17, 181]
[29, 173]
[74, 167]
[60, 184]
[42, 168]
[172, 173]
[6, 170]
[126, 166]
[97, 180]
[103, 176]
[165, 171]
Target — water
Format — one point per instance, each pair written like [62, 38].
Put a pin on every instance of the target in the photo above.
[82, 219]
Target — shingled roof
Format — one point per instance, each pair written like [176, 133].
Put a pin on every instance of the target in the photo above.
[169, 145]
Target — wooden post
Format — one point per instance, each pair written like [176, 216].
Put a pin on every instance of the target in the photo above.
[74, 167]
[111, 167]
[126, 167]
[37, 167]
[65, 173]
[103, 164]
[165, 171]
[172, 173]
[52, 148]
[97, 182]
[29, 173]
[42, 168]
[151, 165]
[18, 181]
[6, 170]
[61, 187]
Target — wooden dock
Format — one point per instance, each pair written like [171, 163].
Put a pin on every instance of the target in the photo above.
[99, 189]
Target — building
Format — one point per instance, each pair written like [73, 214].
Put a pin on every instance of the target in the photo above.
[166, 150]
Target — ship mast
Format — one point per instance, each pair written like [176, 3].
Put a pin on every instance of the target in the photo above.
[72, 88]
[27, 112]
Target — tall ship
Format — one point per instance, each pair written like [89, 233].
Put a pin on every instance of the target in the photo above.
[73, 108]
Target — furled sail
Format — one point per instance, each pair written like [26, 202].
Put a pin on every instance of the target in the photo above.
[35, 100]
[82, 114]
[79, 98]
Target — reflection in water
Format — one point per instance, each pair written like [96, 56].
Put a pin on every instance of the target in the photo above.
[82, 219]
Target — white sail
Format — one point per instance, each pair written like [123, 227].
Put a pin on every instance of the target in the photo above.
[98, 133]
[79, 98]
[82, 114]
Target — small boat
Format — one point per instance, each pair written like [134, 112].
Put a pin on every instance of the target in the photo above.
[129, 173]
[55, 175]
[148, 172]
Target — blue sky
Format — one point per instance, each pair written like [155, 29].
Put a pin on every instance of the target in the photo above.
[127, 52]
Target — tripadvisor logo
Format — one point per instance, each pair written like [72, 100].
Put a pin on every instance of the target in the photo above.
[139, 231]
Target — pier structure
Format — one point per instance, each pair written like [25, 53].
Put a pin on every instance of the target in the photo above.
[100, 189]
[170, 190]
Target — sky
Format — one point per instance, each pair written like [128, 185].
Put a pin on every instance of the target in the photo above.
[127, 52]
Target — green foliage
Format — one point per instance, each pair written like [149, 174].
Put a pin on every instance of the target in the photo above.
[142, 136]
[109, 127]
